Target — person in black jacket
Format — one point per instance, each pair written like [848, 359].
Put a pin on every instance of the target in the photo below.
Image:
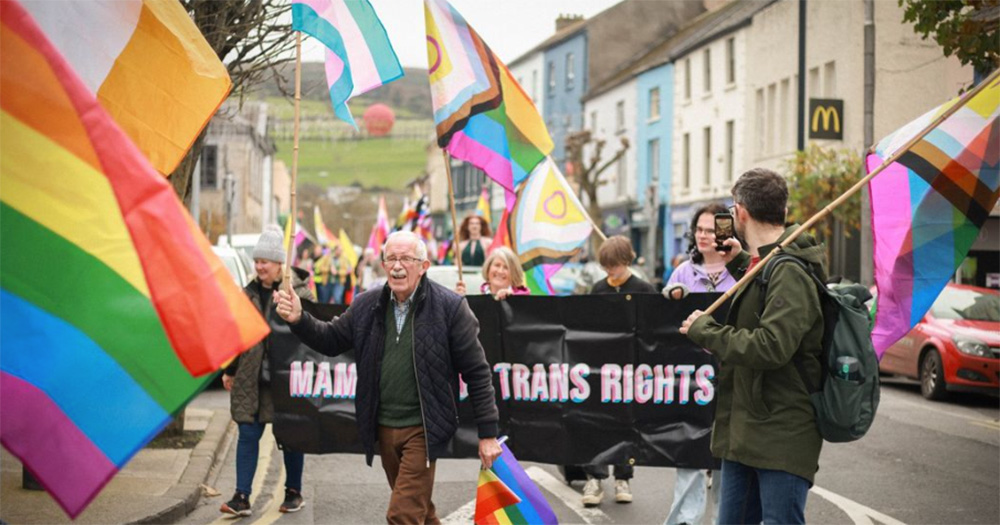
[411, 338]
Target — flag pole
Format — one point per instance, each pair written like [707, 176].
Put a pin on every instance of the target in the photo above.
[454, 216]
[595, 228]
[964, 99]
[295, 161]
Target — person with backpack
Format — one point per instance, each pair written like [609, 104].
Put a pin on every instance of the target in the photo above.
[765, 426]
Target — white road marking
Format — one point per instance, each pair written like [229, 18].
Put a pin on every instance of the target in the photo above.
[859, 514]
[463, 515]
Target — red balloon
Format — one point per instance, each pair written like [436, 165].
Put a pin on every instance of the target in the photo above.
[379, 119]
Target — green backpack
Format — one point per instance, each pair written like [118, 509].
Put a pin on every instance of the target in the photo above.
[847, 397]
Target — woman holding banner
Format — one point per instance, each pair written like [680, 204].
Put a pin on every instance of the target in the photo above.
[704, 272]
[502, 274]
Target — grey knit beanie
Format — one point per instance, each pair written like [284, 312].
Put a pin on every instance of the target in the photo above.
[270, 246]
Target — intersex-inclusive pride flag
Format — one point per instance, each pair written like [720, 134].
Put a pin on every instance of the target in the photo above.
[481, 113]
[110, 298]
[506, 495]
[359, 57]
[548, 225]
[149, 65]
[928, 207]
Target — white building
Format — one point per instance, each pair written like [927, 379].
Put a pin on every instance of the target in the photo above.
[528, 71]
[611, 116]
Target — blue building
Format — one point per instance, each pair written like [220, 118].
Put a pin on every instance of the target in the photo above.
[654, 139]
[565, 83]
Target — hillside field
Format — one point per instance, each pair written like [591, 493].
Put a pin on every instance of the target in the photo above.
[386, 163]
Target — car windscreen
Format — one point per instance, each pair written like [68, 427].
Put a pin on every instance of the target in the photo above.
[966, 304]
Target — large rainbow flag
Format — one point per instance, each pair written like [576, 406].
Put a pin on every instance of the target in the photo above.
[359, 56]
[548, 225]
[507, 496]
[111, 300]
[482, 115]
[148, 64]
[928, 207]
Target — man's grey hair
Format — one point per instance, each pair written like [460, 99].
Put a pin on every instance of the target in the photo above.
[421, 248]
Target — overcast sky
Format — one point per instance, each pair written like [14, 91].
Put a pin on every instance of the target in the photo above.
[509, 27]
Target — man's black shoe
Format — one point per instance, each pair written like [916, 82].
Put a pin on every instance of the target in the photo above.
[293, 501]
[238, 506]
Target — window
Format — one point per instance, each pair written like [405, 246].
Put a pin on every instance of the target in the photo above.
[622, 176]
[210, 167]
[708, 70]
[620, 116]
[731, 60]
[830, 80]
[771, 128]
[593, 122]
[759, 121]
[687, 79]
[784, 125]
[687, 161]
[813, 85]
[707, 179]
[654, 104]
[570, 71]
[552, 78]
[654, 162]
[730, 138]
[534, 85]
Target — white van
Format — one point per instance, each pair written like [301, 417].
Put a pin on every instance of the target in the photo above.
[241, 242]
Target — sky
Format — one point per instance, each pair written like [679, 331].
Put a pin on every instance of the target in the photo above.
[509, 27]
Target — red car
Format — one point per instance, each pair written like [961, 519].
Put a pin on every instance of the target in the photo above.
[955, 347]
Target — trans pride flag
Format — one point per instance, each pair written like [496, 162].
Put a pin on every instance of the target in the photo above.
[928, 207]
[359, 57]
[481, 113]
[110, 297]
[507, 496]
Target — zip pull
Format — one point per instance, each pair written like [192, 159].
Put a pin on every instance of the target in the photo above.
[428, 463]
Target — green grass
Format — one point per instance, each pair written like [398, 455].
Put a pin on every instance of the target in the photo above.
[284, 109]
[372, 163]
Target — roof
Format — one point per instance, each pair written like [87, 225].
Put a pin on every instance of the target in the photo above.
[706, 27]
[563, 34]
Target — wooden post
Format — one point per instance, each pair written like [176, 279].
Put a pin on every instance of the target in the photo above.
[295, 162]
[454, 216]
[854, 189]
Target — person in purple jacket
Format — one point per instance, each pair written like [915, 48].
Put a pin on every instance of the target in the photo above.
[705, 271]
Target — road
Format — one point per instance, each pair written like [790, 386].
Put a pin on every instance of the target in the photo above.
[922, 462]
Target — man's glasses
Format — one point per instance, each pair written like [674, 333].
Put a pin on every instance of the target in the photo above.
[732, 210]
[406, 260]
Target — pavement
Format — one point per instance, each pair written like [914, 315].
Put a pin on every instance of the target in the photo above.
[156, 486]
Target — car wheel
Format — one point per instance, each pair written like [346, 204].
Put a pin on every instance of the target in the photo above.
[932, 385]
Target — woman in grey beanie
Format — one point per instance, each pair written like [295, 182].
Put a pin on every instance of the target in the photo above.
[248, 380]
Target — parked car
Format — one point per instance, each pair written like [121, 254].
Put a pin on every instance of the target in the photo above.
[955, 347]
[447, 276]
[578, 278]
[238, 265]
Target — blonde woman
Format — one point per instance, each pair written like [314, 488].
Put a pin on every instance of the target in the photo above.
[502, 275]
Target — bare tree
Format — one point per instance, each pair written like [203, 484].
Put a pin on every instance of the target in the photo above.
[251, 37]
[588, 172]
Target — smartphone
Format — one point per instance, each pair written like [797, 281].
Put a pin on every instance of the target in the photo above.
[723, 231]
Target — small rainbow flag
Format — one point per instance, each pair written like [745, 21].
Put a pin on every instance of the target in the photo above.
[359, 57]
[530, 506]
[929, 205]
[111, 300]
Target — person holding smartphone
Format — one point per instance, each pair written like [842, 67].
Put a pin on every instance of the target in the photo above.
[705, 271]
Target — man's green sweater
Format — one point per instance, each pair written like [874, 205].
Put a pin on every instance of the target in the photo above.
[399, 405]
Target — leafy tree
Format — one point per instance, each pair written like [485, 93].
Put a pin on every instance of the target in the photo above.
[817, 177]
[251, 37]
[588, 171]
[967, 29]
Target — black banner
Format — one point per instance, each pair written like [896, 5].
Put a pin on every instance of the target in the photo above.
[583, 379]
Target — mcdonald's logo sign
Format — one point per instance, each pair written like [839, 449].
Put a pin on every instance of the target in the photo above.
[826, 118]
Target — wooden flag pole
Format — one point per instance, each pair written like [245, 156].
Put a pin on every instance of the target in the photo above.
[964, 99]
[295, 162]
[596, 229]
[454, 216]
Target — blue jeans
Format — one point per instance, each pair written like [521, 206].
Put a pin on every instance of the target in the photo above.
[323, 292]
[755, 495]
[337, 293]
[247, 450]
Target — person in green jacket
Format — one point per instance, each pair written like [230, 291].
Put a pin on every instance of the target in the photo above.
[765, 428]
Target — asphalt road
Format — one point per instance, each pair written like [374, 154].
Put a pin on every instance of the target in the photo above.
[922, 462]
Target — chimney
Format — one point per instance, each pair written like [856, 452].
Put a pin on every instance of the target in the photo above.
[712, 5]
[565, 21]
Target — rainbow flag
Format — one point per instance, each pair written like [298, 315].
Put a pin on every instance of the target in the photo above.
[323, 234]
[111, 300]
[359, 57]
[495, 506]
[483, 205]
[548, 225]
[949, 182]
[148, 64]
[380, 230]
[482, 115]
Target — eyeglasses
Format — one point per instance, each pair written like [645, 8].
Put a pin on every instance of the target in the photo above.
[732, 210]
[406, 260]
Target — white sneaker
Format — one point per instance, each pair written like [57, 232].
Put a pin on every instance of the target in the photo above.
[592, 493]
[622, 492]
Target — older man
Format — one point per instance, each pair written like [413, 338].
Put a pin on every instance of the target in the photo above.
[411, 338]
